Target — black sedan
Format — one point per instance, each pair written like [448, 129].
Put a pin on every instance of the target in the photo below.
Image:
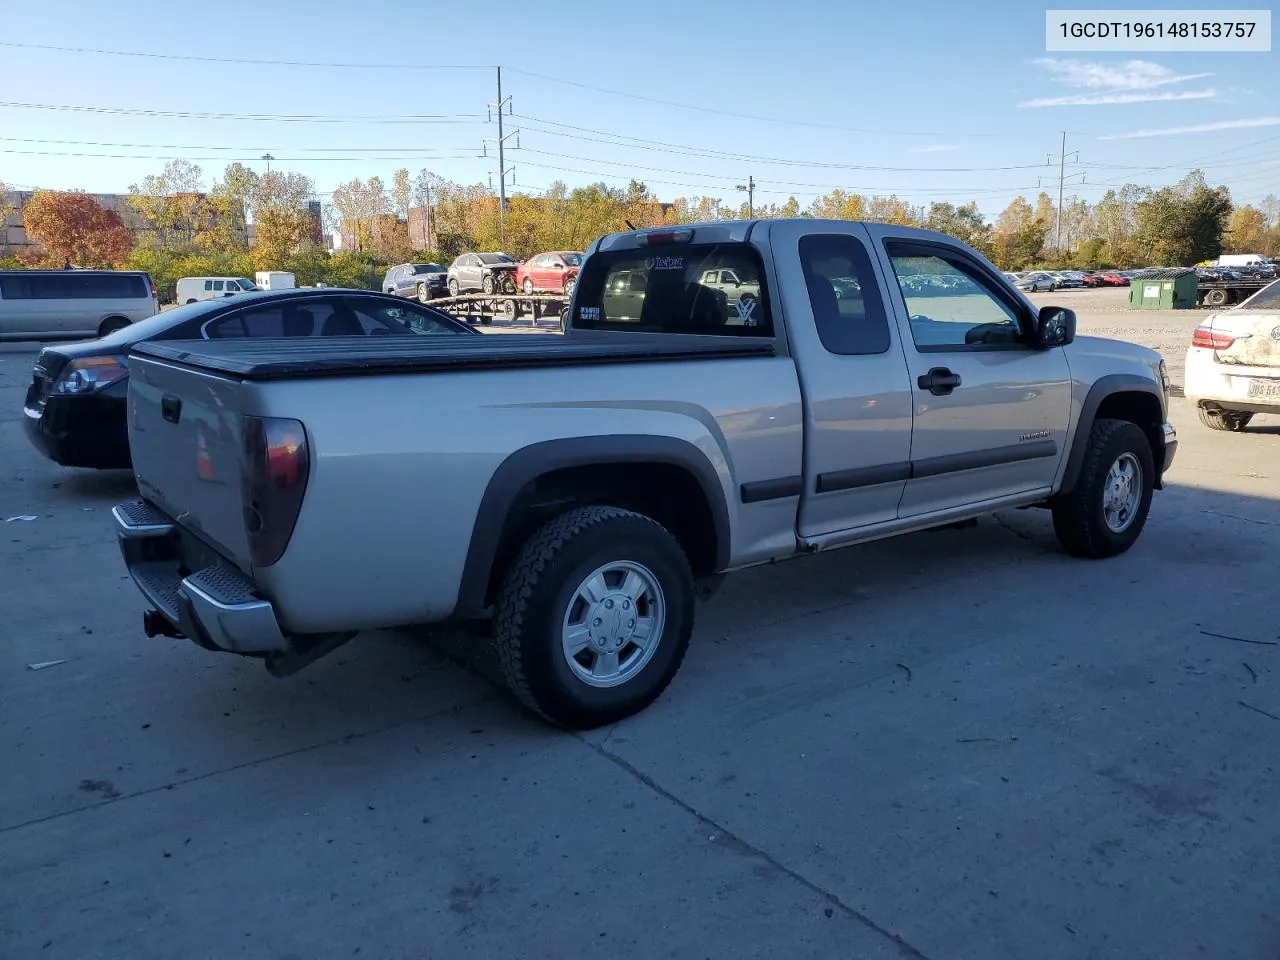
[75, 406]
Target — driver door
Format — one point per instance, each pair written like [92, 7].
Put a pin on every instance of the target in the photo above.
[990, 411]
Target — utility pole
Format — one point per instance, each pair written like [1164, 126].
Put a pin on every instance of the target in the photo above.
[426, 232]
[503, 170]
[750, 189]
[268, 157]
[1062, 161]
[1063, 177]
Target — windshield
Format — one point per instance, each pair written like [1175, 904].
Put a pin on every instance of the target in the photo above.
[1268, 298]
[247, 284]
[419, 268]
[495, 258]
[572, 259]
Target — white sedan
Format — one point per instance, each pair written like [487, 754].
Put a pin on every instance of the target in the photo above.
[1233, 363]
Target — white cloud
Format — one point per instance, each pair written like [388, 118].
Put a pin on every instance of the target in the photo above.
[941, 148]
[1130, 75]
[1243, 124]
[1101, 99]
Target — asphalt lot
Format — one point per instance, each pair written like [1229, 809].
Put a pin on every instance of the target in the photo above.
[960, 745]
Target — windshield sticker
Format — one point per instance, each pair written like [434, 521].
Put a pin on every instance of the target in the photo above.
[588, 313]
[665, 263]
[746, 308]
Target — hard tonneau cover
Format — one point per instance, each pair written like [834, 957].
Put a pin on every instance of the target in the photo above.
[287, 359]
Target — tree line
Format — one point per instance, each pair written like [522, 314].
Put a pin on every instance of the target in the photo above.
[181, 226]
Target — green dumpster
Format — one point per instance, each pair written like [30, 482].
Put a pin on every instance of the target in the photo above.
[1173, 289]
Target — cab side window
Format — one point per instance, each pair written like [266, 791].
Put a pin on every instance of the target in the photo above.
[951, 305]
[847, 307]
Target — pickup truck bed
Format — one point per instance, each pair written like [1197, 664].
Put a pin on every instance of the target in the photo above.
[261, 360]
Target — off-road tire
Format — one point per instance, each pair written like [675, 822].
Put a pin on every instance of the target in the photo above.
[1078, 518]
[1224, 419]
[535, 595]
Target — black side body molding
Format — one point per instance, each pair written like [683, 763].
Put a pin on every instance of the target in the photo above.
[994, 457]
[761, 490]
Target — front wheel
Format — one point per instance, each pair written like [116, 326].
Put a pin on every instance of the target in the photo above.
[424, 295]
[569, 285]
[528, 286]
[1224, 419]
[486, 284]
[453, 287]
[594, 616]
[1216, 298]
[1105, 512]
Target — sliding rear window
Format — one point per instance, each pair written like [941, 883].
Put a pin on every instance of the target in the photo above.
[675, 288]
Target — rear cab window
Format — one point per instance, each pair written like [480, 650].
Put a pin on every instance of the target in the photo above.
[671, 288]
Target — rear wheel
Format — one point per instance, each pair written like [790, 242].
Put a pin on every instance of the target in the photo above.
[1105, 512]
[594, 616]
[1224, 419]
[111, 325]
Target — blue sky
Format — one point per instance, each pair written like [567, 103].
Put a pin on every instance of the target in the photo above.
[804, 96]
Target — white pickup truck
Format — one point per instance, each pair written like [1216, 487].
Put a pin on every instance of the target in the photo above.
[581, 491]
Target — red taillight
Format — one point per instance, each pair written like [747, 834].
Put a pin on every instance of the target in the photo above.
[274, 469]
[1210, 339]
[154, 295]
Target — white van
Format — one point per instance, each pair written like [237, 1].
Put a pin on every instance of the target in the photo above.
[191, 289]
[275, 280]
[1242, 260]
[72, 304]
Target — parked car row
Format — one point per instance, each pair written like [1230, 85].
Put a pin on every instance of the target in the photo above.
[552, 272]
[1037, 280]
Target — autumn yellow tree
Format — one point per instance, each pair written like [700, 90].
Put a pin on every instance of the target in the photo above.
[282, 222]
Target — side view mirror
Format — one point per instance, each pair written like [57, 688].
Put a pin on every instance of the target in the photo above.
[1055, 327]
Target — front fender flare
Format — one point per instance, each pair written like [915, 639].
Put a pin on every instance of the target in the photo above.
[1102, 388]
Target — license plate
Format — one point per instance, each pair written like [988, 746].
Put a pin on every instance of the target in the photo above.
[1264, 389]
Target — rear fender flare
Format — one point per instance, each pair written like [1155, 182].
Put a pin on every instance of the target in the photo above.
[538, 459]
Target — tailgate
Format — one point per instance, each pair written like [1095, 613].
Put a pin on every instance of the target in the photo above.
[185, 431]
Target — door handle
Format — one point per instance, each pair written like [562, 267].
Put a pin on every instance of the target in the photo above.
[939, 381]
[171, 408]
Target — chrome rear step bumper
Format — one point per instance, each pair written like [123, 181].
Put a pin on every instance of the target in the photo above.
[216, 606]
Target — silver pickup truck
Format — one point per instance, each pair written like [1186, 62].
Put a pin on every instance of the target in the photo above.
[580, 492]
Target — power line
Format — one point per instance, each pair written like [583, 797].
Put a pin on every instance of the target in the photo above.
[707, 153]
[245, 60]
[274, 118]
[527, 73]
[190, 146]
[751, 116]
